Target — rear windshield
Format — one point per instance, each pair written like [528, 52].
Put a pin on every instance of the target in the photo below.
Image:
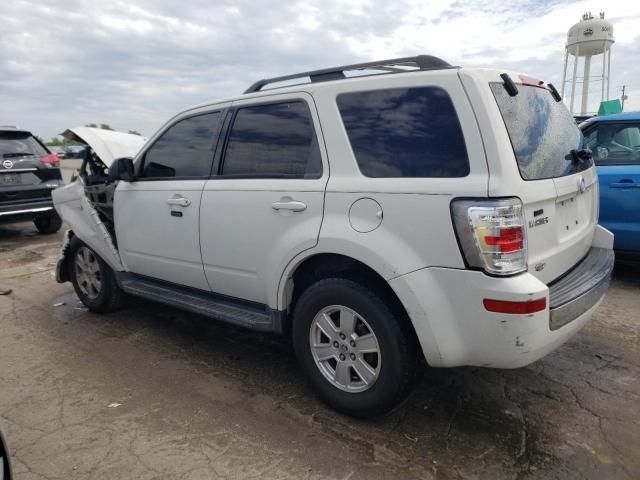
[542, 132]
[20, 144]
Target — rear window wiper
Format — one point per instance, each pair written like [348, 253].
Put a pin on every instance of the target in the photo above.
[579, 155]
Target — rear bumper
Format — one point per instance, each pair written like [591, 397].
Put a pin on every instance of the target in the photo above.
[26, 210]
[454, 329]
[581, 288]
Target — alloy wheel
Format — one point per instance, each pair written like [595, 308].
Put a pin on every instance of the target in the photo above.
[87, 271]
[345, 348]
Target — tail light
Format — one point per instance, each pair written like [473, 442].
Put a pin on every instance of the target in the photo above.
[51, 160]
[492, 234]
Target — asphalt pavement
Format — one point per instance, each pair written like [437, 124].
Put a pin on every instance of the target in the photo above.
[152, 393]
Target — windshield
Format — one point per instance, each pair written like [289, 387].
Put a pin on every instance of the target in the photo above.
[542, 132]
[20, 144]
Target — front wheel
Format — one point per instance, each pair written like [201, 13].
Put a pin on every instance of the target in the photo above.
[92, 279]
[359, 356]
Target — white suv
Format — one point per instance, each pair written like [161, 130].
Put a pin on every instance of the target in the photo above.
[383, 214]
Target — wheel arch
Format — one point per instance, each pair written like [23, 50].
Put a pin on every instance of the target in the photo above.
[321, 265]
[63, 265]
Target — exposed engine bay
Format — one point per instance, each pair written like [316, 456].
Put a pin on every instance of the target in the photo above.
[98, 188]
[103, 147]
[86, 204]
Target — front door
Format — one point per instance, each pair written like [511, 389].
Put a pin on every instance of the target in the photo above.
[157, 215]
[265, 205]
[616, 151]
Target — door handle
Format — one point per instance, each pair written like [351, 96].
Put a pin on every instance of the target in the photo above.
[179, 200]
[291, 205]
[625, 183]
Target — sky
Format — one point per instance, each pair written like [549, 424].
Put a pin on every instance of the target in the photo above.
[133, 64]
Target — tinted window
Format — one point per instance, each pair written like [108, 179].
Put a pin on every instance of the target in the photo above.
[273, 141]
[185, 150]
[20, 144]
[404, 132]
[541, 130]
[614, 144]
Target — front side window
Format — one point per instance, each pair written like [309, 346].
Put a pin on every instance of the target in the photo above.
[405, 132]
[273, 141]
[614, 144]
[185, 150]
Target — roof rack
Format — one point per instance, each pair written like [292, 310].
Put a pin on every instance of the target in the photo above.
[393, 65]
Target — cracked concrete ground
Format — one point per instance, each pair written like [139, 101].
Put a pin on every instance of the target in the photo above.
[151, 392]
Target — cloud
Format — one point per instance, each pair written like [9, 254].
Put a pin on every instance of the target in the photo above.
[134, 64]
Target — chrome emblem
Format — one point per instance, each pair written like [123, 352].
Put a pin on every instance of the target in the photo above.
[582, 186]
[7, 164]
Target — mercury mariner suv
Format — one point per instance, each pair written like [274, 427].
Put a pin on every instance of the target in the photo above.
[383, 214]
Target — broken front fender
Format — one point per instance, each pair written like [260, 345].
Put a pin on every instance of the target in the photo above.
[74, 208]
[62, 275]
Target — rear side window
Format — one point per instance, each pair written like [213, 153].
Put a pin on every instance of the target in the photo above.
[404, 132]
[273, 141]
[185, 150]
[20, 144]
[614, 144]
[542, 132]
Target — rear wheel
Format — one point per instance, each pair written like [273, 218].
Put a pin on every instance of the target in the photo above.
[49, 224]
[358, 354]
[93, 280]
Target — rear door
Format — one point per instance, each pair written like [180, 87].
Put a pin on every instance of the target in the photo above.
[530, 158]
[157, 215]
[616, 148]
[265, 204]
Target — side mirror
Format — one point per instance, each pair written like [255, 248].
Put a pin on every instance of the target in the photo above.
[5, 464]
[122, 169]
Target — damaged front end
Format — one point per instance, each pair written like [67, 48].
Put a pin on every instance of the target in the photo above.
[86, 204]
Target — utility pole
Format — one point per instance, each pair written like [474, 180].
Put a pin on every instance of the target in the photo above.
[624, 97]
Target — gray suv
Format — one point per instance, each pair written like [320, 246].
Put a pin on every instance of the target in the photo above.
[28, 174]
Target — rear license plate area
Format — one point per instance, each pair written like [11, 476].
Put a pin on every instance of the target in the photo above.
[574, 214]
[9, 179]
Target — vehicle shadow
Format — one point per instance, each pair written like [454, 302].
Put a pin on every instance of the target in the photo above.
[627, 269]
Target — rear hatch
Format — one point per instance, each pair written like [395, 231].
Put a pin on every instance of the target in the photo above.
[533, 160]
[28, 171]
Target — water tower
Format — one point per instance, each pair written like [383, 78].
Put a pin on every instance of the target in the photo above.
[590, 36]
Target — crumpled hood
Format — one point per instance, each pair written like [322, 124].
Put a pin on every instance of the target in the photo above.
[107, 144]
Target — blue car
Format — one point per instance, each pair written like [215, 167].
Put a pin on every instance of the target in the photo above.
[615, 143]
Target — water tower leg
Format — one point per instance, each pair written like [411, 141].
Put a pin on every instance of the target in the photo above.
[585, 85]
[564, 71]
[608, 72]
[604, 68]
[573, 80]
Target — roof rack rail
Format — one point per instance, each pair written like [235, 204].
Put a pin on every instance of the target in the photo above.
[393, 65]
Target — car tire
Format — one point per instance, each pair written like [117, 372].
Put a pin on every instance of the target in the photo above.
[374, 382]
[49, 224]
[93, 280]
